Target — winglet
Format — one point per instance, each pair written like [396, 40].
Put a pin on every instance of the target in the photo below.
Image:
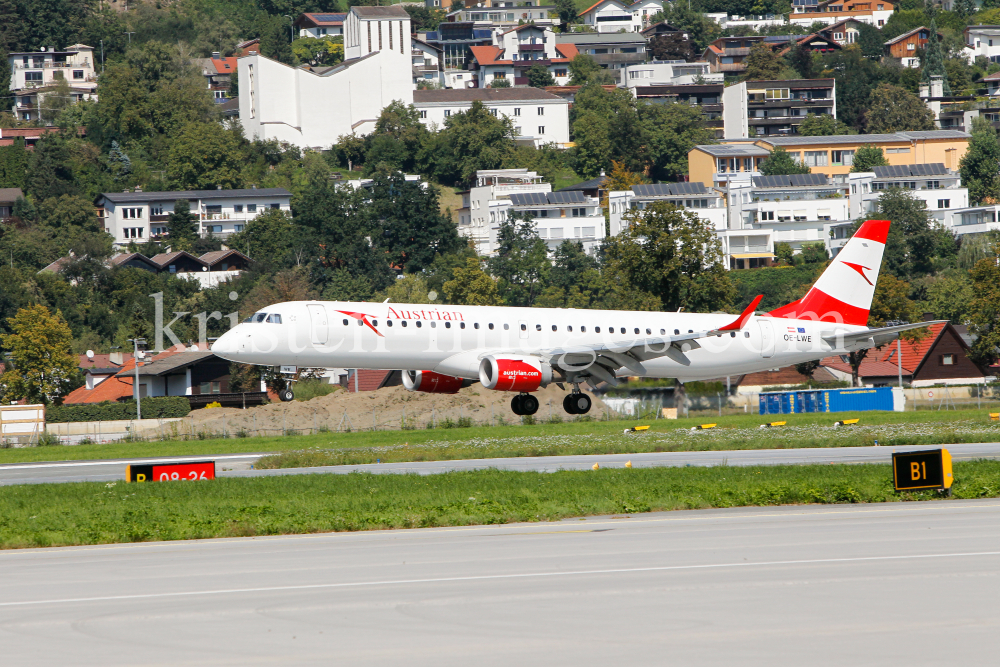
[741, 321]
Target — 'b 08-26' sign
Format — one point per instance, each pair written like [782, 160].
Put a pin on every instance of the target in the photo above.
[171, 472]
[928, 469]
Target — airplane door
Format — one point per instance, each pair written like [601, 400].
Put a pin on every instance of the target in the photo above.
[320, 325]
[766, 339]
[522, 329]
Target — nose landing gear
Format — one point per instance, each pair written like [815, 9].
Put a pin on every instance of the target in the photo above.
[524, 404]
[577, 403]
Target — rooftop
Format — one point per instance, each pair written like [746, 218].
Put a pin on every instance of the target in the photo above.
[174, 195]
[669, 189]
[866, 138]
[734, 150]
[391, 12]
[483, 95]
[907, 170]
[790, 181]
[10, 195]
[543, 198]
[600, 38]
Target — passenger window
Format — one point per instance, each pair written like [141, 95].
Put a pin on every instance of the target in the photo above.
[690, 330]
[374, 323]
[461, 325]
[419, 324]
[649, 332]
[524, 327]
[345, 322]
[636, 330]
[403, 322]
[491, 326]
[732, 334]
[677, 332]
[746, 334]
[506, 327]
[597, 329]
[663, 332]
[361, 323]
[476, 325]
[388, 323]
[447, 325]
[584, 330]
[623, 330]
[569, 328]
[434, 325]
[538, 327]
[555, 328]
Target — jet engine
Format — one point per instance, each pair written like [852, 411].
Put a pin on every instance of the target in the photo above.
[431, 382]
[514, 373]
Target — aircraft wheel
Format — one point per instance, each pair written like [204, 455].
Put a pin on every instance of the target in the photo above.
[568, 404]
[529, 404]
[286, 395]
[515, 405]
[581, 404]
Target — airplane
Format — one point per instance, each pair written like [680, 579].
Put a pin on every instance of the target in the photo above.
[441, 348]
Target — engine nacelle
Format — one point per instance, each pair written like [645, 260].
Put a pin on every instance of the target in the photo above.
[431, 382]
[514, 373]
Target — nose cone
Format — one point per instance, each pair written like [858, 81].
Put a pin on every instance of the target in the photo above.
[226, 346]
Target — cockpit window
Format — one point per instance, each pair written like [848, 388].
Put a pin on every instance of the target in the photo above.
[260, 317]
[274, 318]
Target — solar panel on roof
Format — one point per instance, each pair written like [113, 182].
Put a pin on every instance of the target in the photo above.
[568, 197]
[329, 17]
[528, 199]
[689, 188]
[807, 179]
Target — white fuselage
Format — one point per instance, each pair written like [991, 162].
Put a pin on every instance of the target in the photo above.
[453, 340]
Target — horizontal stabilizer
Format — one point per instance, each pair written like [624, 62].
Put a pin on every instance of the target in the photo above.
[851, 336]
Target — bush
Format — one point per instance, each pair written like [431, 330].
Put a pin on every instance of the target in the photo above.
[305, 390]
[152, 408]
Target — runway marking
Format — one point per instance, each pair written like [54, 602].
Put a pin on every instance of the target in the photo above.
[488, 577]
[73, 464]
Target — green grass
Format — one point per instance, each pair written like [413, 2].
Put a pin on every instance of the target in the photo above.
[571, 437]
[306, 390]
[97, 513]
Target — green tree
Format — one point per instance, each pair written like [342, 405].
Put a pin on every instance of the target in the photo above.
[567, 13]
[204, 156]
[917, 244]
[6, 101]
[472, 286]
[607, 127]
[984, 322]
[670, 131]
[781, 163]
[894, 109]
[520, 261]
[980, 165]
[932, 63]
[44, 370]
[802, 59]
[49, 168]
[870, 41]
[396, 141]
[318, 52]
[13, 165]
[964, 8]
[499, 82]
[53, 100]
[182, 225]
[266, 238]
[584, 68]
[671, 46]
[822, 126]
[763, 64]
[539, 77]
[350, 150]
[784, 253]
[890, 303]
[119, 162]
[594, 148]
[470, 141]
[274, 39]
[866, 157]
[672, 256]
[949, 295]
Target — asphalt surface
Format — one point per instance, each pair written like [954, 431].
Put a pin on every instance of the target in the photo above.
[239, 465]
[889, 584]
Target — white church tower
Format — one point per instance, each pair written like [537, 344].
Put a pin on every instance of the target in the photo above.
[371, 29]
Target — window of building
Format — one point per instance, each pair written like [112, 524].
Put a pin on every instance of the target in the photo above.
[776, 94]
[843, 158]
[947, 359]
[238, 228]
[541, 111]
[933, 185]
[251, 208]
[32, 76]
[767, 215]
[78, 74]
[493, 112]
[214, 209]
[517, 111]
[944, 203]
[500, 75]
[132, 213]
[561, 73]
[897, 150]
[213, 229]
[541, 129]
[276, 206]
[237, 208]
[423, 113]
[447, 112]
[816, 158]
[132, 232]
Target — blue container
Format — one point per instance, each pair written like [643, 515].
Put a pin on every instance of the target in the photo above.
[826, 400]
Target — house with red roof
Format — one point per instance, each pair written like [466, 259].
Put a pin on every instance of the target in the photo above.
[218, 72]
[517, 50]
[615, 16]
[940, 357]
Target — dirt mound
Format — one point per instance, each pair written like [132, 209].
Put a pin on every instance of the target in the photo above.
[387, 408]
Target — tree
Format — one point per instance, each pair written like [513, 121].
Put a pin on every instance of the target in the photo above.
[274, 39]
[814, 253]
[949, 295]
[980, 165]
[802, 59]
[53, 100]
[205, 156]
[763, 64]
[584, 68]
[671, 46]
[119, 162]
[964, 8]
[44, 370]
[671, 256]
[350, 150]
[322, 51]
[781, 163]
[866, 157]
[520, 261]
[917, 243]
[471, 286]
[594, 147]
[890, 303]
[472, 140]
[539, 77]
[984, 322]
[933, 61]
[607, 127]
[823, 125]
[50, 171]
[500, 82]
[807, 368]
[567, 13]
[619, 179]
[894, 109]
[424, 18]
[784, 253]
[182, 225]
[669, 132]
[396, 141]
[13, 165]
[870, 41]
[266, 238]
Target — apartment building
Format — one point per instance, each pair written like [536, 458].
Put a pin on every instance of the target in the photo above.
[317, 25]
[706, 202]
[716, 165]
[755, 22]
[707, 98]
[808, 12]
[311, 107]
[906, 47]
[506, 14]
[727, 54]
[982, 41]
[492, 186]
[775, 108]
[34, 75]
[558, 217]
[516, 50]
[612, 51]
[670, 73]
[136, 217]
[455, 39]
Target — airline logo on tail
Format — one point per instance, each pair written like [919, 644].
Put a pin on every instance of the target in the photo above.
[860, 269]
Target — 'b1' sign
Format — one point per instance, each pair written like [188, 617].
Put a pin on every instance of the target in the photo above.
[171, 472]
[928, 469]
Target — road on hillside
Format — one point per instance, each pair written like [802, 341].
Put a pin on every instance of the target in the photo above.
[239, 465]
[889, 584]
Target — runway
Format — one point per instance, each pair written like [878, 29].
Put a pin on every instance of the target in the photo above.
[239, 465]
[890, 584]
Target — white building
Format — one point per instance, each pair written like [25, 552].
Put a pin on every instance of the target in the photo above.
[312, 107]
[516, 50]
[35, 73]
[428, 63]
[615, 16]
[669, 73]
[807, 12]
[643, 11]
[558, 217]
[492, 186]
[775, 108]
[755, 22]
[319, 25]
[136, 217]
[982, 40]
[539, 117]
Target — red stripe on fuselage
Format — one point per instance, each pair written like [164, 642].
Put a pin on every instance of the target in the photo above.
[821, 307]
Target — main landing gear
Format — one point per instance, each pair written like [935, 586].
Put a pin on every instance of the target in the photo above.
[524, 404]
[286, 395]
[576, 403]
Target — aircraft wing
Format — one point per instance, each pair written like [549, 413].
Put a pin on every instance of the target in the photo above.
[848, 337]
[601, 359]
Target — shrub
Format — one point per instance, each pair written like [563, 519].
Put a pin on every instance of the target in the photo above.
[152, 408]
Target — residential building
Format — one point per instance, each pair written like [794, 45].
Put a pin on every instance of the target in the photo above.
[7, 198]
[517, 50]
[504, 14]
[539, 117]
[491, 186]
[10, 135]
[727, 54]
[940, 357]
[643, 11]
[775, 108]
[707, 203]
[831, 155]
[808, 12]
[906, 47]
[715, 165]
[612, 51]
[755, 22]
[595, 187]
[454, 40]
[609, 16]
[956, 112]
[136, 217]
[428, 63]
[311, 107]
[982, 41]
[842, 32]
[670, 73]
[708, 98]
[558, 217]
[34, 74]
[318, 25]
[940, 189]
[210, 270]
[218, 73]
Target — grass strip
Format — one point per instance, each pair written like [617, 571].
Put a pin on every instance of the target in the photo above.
[98, 513]
[566, 438]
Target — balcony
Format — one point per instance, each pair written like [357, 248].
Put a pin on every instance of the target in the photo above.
[730, 67]
[619, 58]
[531, 47]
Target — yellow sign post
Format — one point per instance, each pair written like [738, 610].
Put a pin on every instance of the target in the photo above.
[927, 469]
